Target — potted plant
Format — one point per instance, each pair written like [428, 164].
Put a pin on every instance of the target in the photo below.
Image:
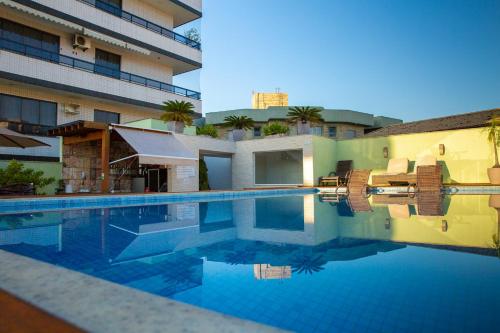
[493, 137]
[207, 130]
[239, 125]
[177, 115]
[275, 129]
[304, 116]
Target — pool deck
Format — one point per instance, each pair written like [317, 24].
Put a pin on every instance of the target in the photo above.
[96, 305]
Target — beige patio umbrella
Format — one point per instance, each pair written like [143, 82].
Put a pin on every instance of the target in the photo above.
[13, 139]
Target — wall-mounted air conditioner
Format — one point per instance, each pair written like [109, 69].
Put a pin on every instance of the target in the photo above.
[71, 109]
[81, 42]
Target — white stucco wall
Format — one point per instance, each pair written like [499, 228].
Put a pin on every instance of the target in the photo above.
[243, 160]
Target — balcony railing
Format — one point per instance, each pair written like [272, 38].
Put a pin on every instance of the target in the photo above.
[117, 11]
[60, 59]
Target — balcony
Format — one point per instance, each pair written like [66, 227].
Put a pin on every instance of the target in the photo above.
[116, 11]
[53, 67]
[180, 53]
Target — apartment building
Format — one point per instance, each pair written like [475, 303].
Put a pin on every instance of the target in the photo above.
[338, 124]
[110, 61]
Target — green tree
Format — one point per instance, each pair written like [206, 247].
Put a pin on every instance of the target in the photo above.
[493, 131]
[303, 116]
[193, 34]
[239, 125]
[203, 177]
[15, 173]
[238, 122]
[275, 128]
[208, 130]
[179, 112]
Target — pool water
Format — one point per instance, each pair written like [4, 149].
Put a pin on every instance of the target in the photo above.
[303, 263]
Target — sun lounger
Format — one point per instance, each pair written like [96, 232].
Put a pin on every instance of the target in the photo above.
[397, 173]
[403, 178]
[338, 177]
[357, 183]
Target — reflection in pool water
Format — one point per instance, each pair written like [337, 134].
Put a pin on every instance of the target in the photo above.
[304, 263]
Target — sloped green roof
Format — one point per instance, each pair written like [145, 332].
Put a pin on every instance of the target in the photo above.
[329, 115]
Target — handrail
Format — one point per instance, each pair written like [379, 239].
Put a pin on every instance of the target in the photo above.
[117, 11]
[64, 60]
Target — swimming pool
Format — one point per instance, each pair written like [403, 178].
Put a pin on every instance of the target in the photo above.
[300, 262]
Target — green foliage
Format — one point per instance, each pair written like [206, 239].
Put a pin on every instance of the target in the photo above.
[493, 133]
[15, 173]
[203, 177]
[275, 128]
[238, 122]
[178, 111]
[193, 34]
[207, 129]
[305, 114]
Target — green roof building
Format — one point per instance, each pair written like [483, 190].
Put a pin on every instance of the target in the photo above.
[338, 124]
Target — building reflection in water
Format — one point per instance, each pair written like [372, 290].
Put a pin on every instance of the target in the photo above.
[163, 248]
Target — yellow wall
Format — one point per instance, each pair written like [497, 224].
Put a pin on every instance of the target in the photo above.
[471, 223]
[467, 156]
[265, 100]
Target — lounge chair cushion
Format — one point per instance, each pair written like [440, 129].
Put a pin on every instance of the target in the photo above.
[399, 211]
[397, 166]
[425, 160]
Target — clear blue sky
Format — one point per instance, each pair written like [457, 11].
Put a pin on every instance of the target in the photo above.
[400, 58]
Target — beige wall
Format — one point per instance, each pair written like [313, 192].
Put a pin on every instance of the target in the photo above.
[39, 69]
[98, 17]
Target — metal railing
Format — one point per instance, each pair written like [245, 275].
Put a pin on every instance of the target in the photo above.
[117, 11]
[60, 59]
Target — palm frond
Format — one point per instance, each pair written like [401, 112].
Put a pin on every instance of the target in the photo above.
[238, 122]
[180, 111]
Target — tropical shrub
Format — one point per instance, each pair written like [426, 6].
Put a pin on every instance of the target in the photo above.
[208, 130]
[304, 114]
[238, 122]
[493, 132]
[15, 173]
[178, 111]
[275, 129]
[203, 177]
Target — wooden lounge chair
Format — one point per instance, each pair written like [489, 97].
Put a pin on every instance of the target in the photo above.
[429, 178]
[338, 177]
[405, 178]
[357, 183]
[397, 173]
[429, 204]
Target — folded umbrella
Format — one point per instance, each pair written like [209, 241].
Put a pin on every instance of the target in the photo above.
[13, 139]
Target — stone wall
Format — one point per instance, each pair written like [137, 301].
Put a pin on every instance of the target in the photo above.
[82, 166]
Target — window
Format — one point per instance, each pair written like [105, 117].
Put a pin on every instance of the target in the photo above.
[27, 111]
[350, 134]
[279, 167]
[107, 63]
[257, 131]
[106, 117]
[317, 130]
[332, 132]
[38, 41]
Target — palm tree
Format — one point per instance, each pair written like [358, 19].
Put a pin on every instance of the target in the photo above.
[178, 114]
[493, 134]
[303, 116]
[239, 125]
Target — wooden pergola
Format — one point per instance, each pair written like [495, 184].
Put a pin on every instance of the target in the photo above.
[85, 131]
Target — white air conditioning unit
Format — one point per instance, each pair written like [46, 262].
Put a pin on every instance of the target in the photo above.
[71, 109]
[81, 42]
